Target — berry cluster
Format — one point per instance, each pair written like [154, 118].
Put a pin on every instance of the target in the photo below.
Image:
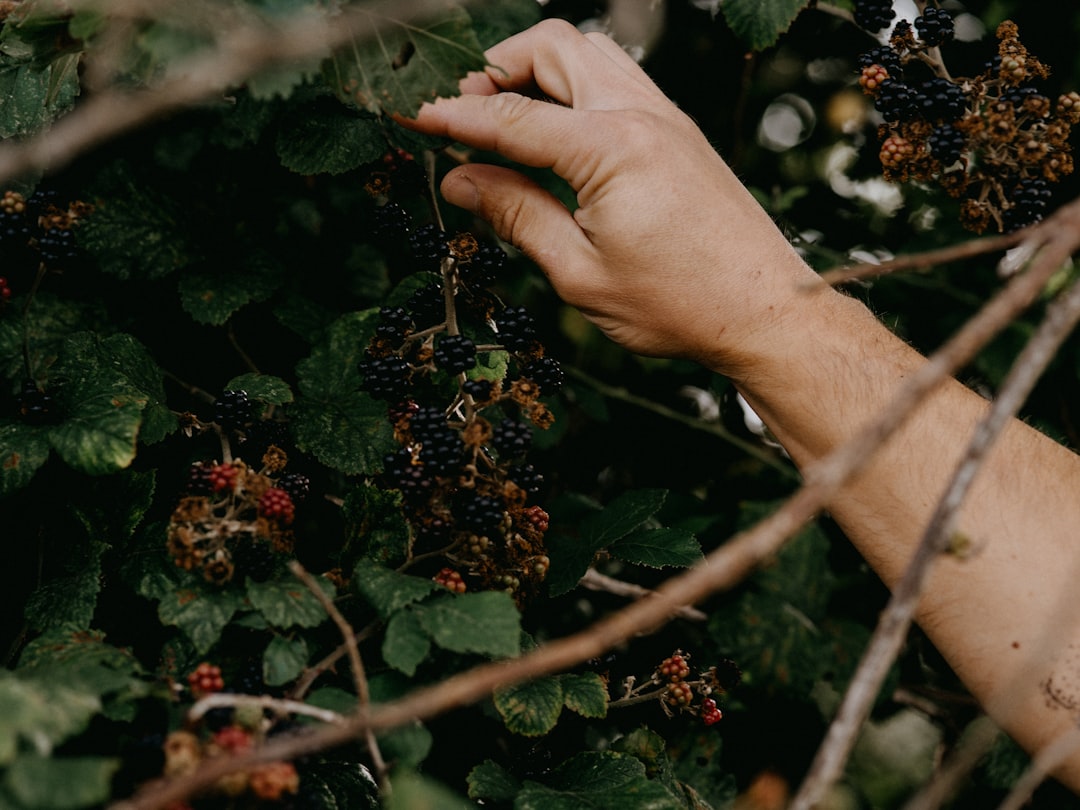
[205, 679]
[43, 225]
[463, 377]
[671, 683]
[271, 782]
[234, 521]
[993, 140]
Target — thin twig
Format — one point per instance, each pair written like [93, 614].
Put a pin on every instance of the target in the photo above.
[595, 581]
[1041, 765]
[1061, 316]
[713, 428]
[241, 53]
[978, 739]
[357, 664]
[926, 259]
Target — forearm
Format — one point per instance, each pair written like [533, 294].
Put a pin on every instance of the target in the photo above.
[1004, 615]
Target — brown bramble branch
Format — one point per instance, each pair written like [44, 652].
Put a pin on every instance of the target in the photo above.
[249, 46]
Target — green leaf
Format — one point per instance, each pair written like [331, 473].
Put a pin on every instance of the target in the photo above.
[585, 694]
[287, 603]
[410, 791]
[69, 600]
[334, 785]
[406, 746]
[49, 321]
[283, 660]
[598, 781]
[200, 612]
[570, 559]
[24, 449]
[102, 408]
[487, 623]
[495, 20]
[324, 137]
[531, 709]
[489, 780]
[61, 783]
[759, 23]
[375, 526]
[334, 421]
[212, 296]
[399, 66]
[621, 516]
[34, 96]
[406, 644]
[262, 387]
[658, 548]
[40, 714]
[136, 232]
[389, 591]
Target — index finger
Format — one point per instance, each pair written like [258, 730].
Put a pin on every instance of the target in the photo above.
[575, 69]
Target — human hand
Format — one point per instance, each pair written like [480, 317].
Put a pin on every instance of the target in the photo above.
[667, 252]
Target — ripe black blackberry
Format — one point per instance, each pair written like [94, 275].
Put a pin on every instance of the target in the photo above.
[946, 143]
[394, 323]
[199, 480]
[401, 473]
[386, 378]
[297, 485]
[873, 15]
[886, 56]
[390, 222]
[546, 372]
[935, 26]
[426, 422]
[479, 513]
[232, 410]
[455, 354]
[442, 452]
[939, 99]
[57, 246]
[1030, 198]
[511, 438]
[483, 269]
[479, 390]
[427, 306]
[895, 100]
[527, 477]
[517, 329]
[429, 247]
[254, 558]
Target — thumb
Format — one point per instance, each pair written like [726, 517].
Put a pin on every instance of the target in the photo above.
[520, 211]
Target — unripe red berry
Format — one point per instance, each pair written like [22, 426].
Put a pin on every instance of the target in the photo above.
[275, 504]
[205, 679]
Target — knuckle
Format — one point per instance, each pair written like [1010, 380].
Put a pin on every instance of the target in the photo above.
[510, 109]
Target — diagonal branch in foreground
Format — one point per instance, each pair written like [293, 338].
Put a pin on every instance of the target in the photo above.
[723, 568]
[242, 53]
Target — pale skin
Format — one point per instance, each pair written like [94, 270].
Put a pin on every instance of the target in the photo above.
[669, 255]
